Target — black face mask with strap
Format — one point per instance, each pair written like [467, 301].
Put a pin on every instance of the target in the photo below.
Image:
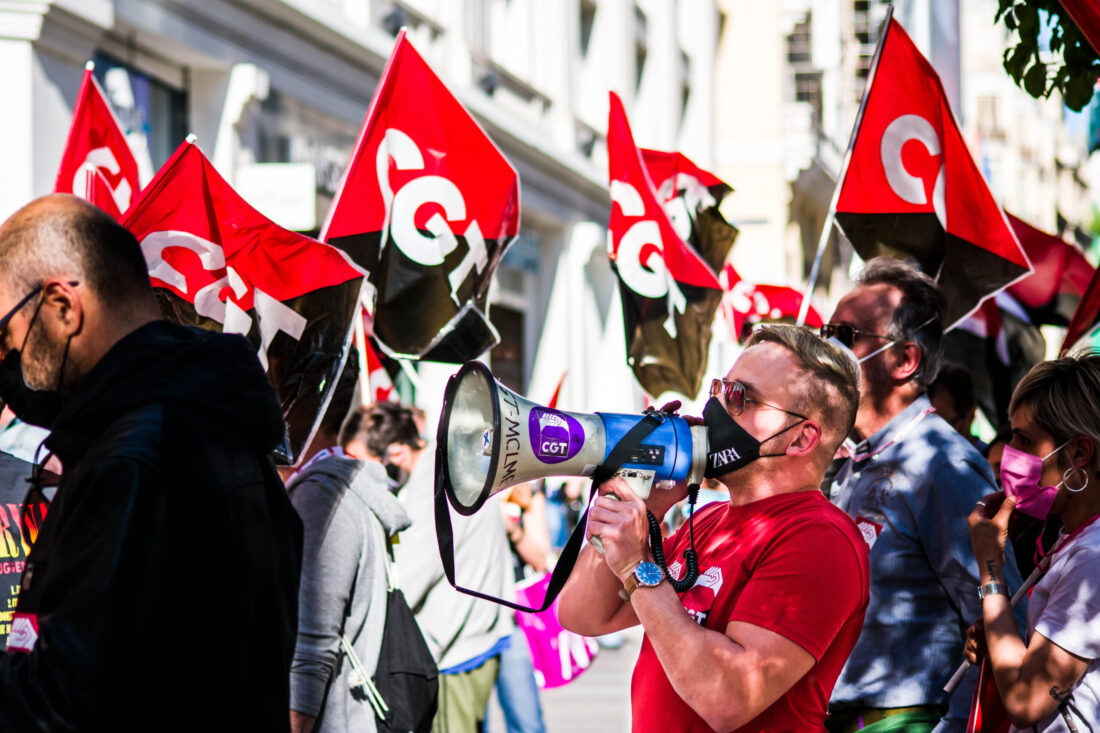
[37, 407]
[731, 446]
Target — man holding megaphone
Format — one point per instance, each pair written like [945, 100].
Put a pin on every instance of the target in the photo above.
[757, 642]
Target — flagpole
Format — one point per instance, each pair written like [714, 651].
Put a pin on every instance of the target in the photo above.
[359, 339]
[830, 217]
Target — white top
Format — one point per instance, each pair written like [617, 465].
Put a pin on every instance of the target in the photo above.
[1065, 608]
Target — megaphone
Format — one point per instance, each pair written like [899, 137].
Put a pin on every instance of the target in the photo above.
[491, 439]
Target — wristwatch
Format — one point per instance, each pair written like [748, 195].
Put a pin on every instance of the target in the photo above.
[992, 589]
[645, 575]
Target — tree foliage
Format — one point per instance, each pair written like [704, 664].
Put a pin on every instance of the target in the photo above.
[1071, 67]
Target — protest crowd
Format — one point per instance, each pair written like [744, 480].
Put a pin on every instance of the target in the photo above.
[234, 520]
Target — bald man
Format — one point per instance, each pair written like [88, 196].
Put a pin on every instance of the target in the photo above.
[161, 592]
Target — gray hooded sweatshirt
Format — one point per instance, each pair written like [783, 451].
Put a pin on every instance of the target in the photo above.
[348, 515]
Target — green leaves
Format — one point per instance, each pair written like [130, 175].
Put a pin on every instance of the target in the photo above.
[1077, 91]
[1035, 80]
[1069, 65]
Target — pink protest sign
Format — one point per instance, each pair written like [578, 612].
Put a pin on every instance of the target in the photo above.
[560, 656]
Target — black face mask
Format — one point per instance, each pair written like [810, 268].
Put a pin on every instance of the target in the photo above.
[730, 446]
[398, 476]
[37, 407]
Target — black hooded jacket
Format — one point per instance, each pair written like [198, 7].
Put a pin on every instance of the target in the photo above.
[164, 582]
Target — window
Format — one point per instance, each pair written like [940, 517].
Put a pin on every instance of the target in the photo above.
[588, 20]
[145, 106]
[806, 79]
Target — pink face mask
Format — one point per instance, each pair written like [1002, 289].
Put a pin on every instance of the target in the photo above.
[1020, 474]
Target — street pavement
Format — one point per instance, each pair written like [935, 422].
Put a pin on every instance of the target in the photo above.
[596, 702]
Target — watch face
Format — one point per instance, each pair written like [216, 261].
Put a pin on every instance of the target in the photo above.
[648, 574]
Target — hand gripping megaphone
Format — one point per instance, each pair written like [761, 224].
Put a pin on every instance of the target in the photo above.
[491, 439]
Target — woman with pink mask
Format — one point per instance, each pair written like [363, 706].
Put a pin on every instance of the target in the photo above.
[1050, 680]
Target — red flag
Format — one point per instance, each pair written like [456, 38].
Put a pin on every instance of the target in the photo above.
[985, 323]
[1059, 267]
[426, 179]
[745, 303]
[1085, 318]
[220, 264]
[1086, 15]
[912, 189]
[97, 164]
[381, 386]
[650, 257]
[690, 196]
[669, 293]
[557, 392]
[987, 709]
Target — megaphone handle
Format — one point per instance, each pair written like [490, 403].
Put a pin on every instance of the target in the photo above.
[639, 483]
[597, 543]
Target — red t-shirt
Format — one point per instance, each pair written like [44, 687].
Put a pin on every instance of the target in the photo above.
[793, 564]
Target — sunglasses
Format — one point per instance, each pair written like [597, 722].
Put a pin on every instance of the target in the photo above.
[733, 393]
[847, 334]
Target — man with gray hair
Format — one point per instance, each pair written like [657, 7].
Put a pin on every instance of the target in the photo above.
[161, 591]
[909, 484]
[756, 642]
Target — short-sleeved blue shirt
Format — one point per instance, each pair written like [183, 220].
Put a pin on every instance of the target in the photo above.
[911, 500]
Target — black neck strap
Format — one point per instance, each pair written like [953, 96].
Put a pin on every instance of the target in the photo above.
[445, 533]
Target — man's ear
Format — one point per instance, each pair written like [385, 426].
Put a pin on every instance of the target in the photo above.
[909, 358]
[62, 311]
[807, 438]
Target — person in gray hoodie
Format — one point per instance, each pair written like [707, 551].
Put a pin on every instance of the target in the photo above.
[349, 517]
[466, 635]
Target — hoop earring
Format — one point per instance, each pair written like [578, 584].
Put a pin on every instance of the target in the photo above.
[1065, 479]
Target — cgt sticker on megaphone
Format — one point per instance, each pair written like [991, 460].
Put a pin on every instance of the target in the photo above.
[555, 436]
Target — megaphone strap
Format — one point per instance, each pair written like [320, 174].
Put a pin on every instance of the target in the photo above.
[444, 532]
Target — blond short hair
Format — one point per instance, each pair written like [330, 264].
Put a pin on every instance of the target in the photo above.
[1064, 397]
[831, 393]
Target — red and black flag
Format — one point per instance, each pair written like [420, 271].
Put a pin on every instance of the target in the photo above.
[911, 188]
[745, 304]
[218, 263]
[1087, 317]
[97, 164]
[691, 198]
[669, 293]
[375, 382]
[1060, 276]
[997, 344]
[427, 208]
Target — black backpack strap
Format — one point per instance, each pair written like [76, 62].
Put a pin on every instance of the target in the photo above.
[444, 532]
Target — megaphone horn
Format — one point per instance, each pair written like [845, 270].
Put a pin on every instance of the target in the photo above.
[491, 439]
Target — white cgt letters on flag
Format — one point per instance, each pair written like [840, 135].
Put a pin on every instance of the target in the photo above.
[403, 205]
[271, 315]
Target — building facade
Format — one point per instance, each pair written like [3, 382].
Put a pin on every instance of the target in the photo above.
[783, 128]
[276, 91]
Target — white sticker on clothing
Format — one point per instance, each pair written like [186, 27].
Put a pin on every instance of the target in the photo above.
[24, 632]
[870, 530]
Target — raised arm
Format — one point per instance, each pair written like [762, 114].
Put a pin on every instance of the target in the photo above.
[1035, 678]
[760, 655]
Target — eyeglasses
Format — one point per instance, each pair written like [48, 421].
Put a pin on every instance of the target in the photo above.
[18, 306]
[733, 392]
[847, 334]
[26, 299]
